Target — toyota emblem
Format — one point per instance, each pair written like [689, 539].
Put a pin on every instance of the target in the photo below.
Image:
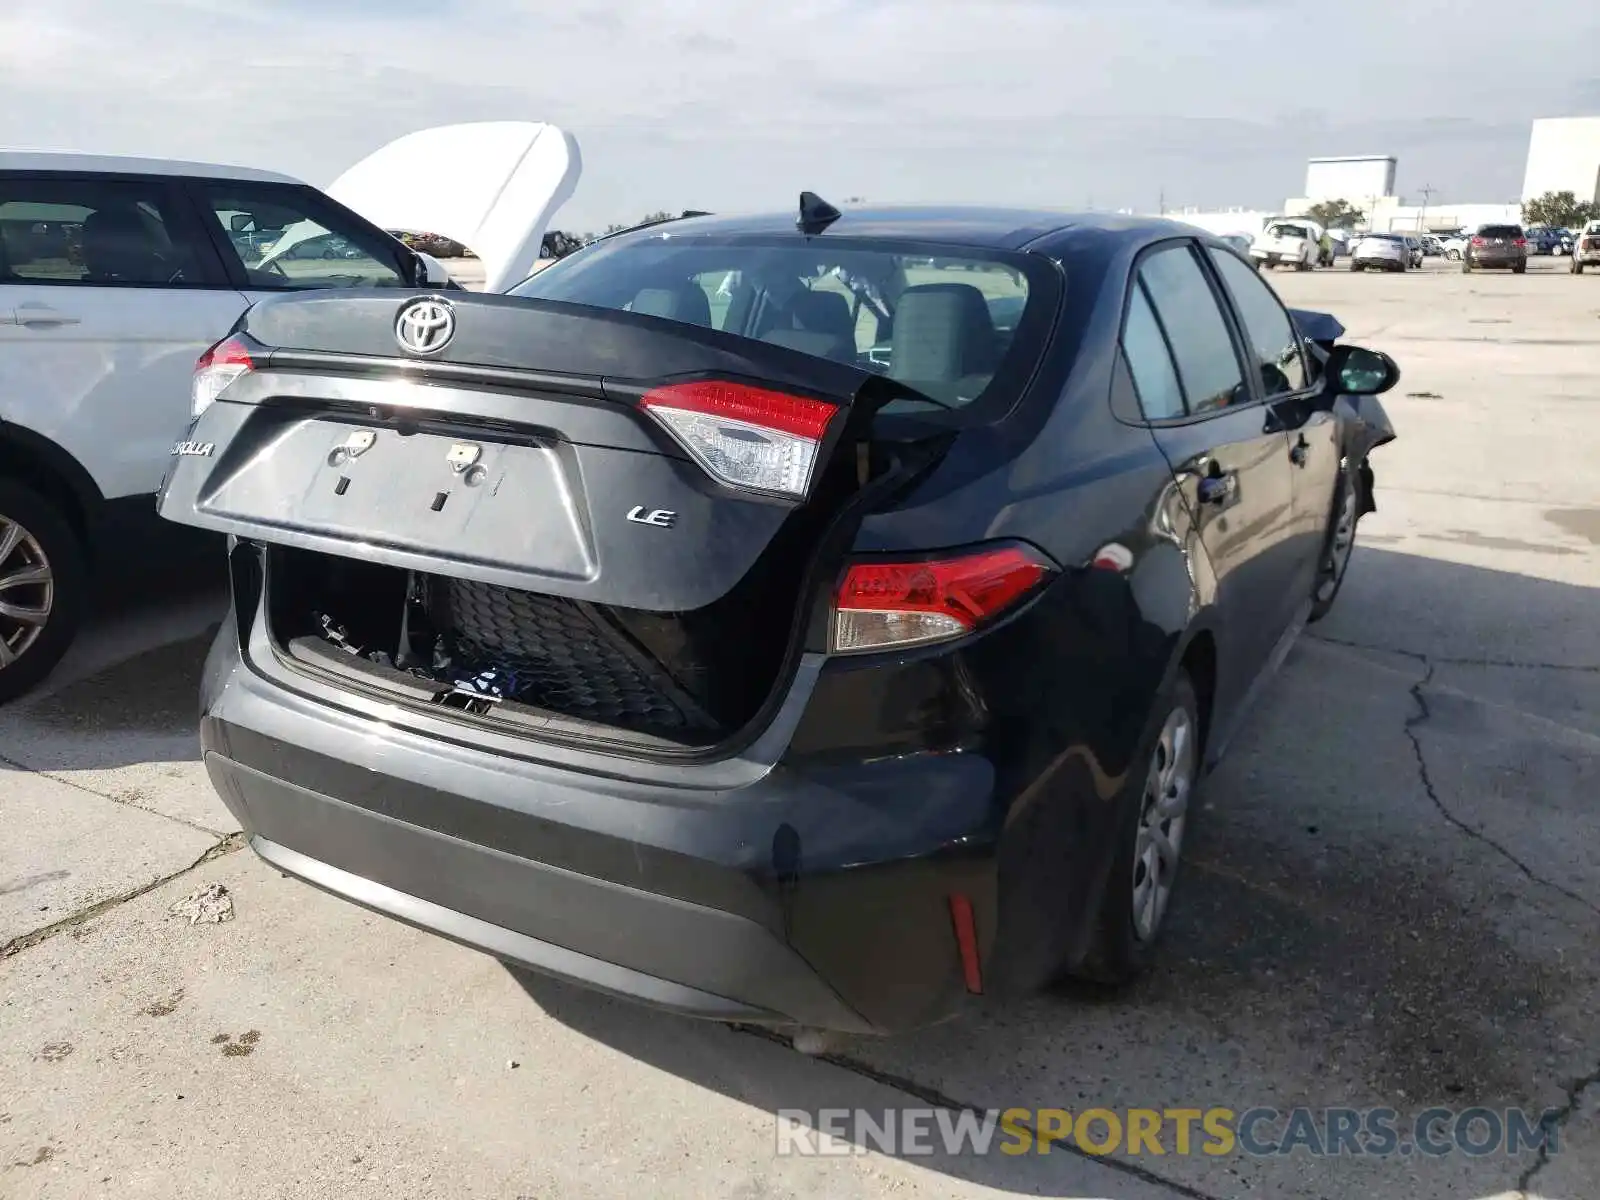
[425, 326]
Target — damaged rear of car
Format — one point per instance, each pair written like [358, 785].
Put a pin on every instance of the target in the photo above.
[806, 623]
[577, 565]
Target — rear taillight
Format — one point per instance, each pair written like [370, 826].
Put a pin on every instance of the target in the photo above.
[1477, 241]
[217, 369]
[1521, 242]
[896, 604]
[745, 436]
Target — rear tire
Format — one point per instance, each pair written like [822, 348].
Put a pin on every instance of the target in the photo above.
[1576, 268]
[1157, 816]
[1520, 268]
[43, 588]
[1466, 267]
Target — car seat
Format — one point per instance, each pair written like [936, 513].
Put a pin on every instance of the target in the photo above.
[944, 341]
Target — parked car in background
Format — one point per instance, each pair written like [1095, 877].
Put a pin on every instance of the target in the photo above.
[434, 244]
[1586, 248]
[1286, 243]
[116, 274]
[1413, 243]
[1455, 245]
[1496, 246]
[1381, 252]
[1432, 246]
[1240, 242]
[745, 674]
[1542, 239]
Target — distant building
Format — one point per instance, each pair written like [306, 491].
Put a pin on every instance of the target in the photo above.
[1564, 156]
[1364, 177]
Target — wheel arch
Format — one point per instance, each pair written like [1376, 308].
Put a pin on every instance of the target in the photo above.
[36, 461]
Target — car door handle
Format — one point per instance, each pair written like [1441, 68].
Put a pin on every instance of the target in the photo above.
[1300, 452]
[1218, 488]
[42, 314]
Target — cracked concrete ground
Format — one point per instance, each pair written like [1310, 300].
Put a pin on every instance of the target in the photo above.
[1391, 898]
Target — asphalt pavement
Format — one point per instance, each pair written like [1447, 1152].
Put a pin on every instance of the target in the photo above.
[1392, 897]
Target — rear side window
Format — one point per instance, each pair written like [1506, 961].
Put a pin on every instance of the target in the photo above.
[287, 238]
[954, 328]
[1144, 347]
[1269, 333]
[1195, 327]
[96, 233]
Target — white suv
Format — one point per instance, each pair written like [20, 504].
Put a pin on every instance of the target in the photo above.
[115, 275]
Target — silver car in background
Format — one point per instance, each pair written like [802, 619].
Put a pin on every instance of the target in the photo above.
[1381, 252]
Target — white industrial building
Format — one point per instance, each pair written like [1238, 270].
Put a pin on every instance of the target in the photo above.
[1564, 156]
[1364, 177]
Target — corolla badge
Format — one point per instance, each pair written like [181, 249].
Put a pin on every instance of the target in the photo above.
[194, 449]
[425, 326]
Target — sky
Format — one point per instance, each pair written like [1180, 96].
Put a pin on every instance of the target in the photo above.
[734, 105]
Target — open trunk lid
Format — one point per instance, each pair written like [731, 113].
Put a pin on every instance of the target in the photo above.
[532, 450]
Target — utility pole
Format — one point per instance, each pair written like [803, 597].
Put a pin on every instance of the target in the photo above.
[1162, 202]
[1427, 191]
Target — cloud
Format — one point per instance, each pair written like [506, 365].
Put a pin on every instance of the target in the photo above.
[727, 105]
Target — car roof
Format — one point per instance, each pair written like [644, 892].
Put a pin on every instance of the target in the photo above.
[969, 226]
[121, 164]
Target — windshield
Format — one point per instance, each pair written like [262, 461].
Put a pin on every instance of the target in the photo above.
[953, 324]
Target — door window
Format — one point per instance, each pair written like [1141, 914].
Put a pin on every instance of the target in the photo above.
[1270, 336]
[96, 233]
[1201, 344]
[287, 238]
[1149, 361]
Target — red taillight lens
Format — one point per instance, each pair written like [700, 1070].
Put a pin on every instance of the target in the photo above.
[1521, 242]
[216, 369]
[746, 436]
[895, 604]
[1477, 241]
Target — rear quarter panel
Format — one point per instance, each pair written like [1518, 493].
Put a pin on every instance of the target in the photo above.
[1057, 698]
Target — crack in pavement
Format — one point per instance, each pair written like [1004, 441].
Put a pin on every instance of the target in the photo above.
[115, 799]
[1423, 714]
[26, 941]
[1421, 717]
[1430, 660]
[1565, 1113]
[934, 1098]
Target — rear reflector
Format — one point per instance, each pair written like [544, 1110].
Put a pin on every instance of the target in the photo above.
[748, 437]
[967, 942]
[888, 604]
[217, 368]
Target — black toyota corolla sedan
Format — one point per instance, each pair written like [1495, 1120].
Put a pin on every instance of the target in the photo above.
[805, 621]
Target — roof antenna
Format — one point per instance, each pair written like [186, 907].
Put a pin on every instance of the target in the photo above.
[816, 214]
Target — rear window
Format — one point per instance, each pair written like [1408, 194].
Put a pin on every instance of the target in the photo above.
[958, 326]
[1501, 231]
[1286, 231]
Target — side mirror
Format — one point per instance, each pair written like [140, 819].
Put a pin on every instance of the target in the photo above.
[239, 222]
[1357, 371]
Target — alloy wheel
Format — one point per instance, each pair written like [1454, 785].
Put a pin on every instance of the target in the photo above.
[1343, 542]
[27, 591]
[1161, 822]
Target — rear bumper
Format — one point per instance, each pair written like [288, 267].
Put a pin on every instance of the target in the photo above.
[1481, 259]
[817, 899]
